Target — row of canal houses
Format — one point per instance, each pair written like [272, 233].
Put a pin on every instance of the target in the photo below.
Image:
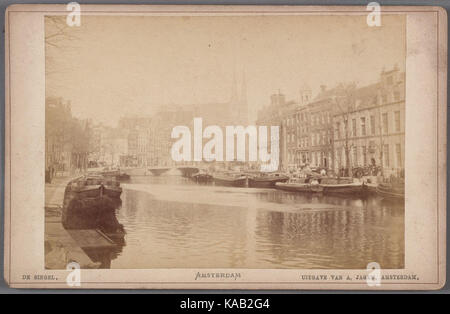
[342, 127]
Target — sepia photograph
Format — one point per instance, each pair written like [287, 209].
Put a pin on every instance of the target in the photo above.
[225, 147]
[121, 91]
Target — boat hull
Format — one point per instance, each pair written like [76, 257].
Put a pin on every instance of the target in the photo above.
[391, 192]
[113, 193]
[299, 187]
[343, 189]
[202, 178]
[96, 192]
[81, 212]
[265, 183]
[371, 188]
[240, 182]
[90, 192]
[90, 203]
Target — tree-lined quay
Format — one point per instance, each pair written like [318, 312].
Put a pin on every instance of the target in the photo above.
[344, 131]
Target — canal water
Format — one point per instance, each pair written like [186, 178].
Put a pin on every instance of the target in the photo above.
[172, 222]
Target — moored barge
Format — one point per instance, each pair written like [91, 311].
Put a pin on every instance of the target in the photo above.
[230, 179]
[90, 202]
[342, 186]
[202, 177]
[300, 185]
[391, 190]
[266, 180]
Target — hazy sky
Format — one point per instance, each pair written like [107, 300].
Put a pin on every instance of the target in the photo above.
[115, 66]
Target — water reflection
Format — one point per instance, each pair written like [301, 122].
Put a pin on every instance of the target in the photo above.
[172, 223]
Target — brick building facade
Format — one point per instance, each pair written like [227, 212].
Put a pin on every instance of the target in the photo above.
[343, 127]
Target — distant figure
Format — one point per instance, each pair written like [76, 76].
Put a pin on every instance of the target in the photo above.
[52, 173]
[47, 176]
[307, 168]
[323, 172]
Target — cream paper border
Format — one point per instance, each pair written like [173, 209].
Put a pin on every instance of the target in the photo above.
[425, 208]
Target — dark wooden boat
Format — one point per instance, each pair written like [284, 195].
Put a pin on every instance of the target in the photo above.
[370, 185]
[370, 188]
[230, 179]
[299, 187]
[95, 186]
[345, 188]
[87, 191]
[90, 202]
[266, 180]
[391, 190]
[113, 189]
[202, 178]
[342, 186]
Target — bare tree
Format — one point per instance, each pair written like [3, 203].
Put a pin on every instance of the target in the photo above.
[381, 142]
[57, 36]
[345, 102]
[57, 30]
